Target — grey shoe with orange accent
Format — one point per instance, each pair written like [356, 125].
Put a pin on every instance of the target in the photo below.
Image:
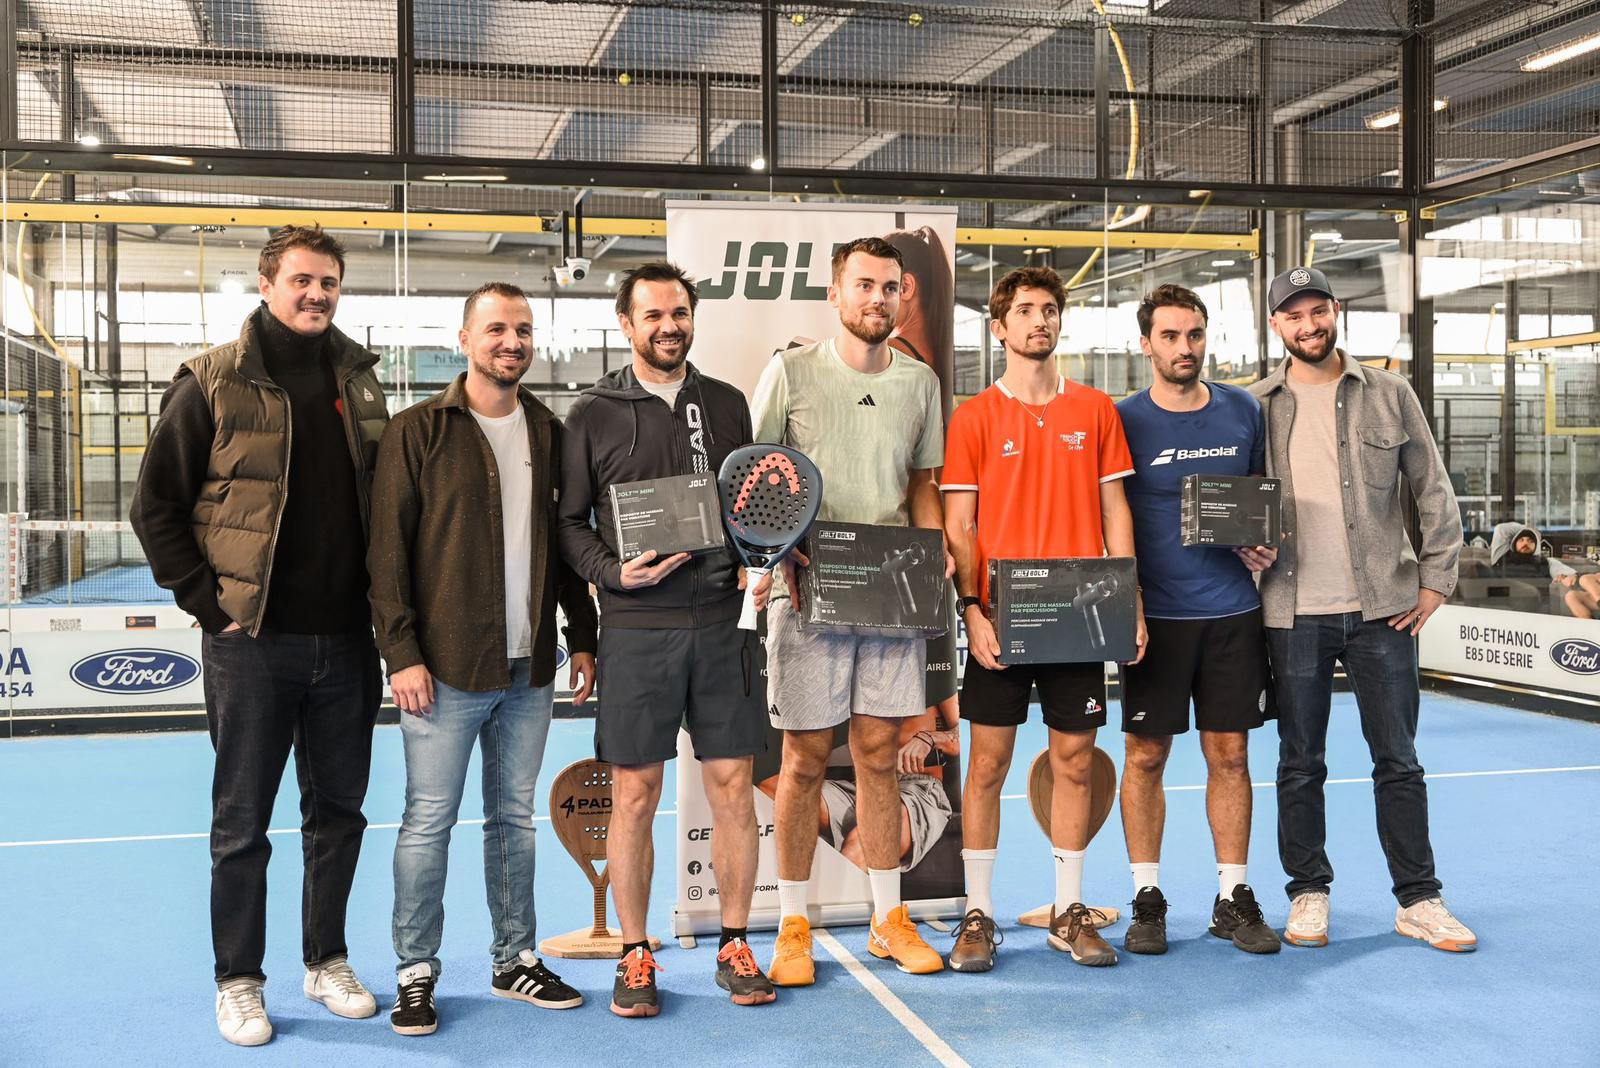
[1073, 932]
[741, 977]
[634, 992]
[1430, 921]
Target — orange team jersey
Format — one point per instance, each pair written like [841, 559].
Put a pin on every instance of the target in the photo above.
[1038, 486]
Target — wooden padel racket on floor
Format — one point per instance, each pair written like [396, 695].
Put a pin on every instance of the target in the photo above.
[770, 497]
[580, 812]
[1102, 798]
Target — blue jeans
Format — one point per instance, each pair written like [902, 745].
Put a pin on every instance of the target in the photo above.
[1381, 664]
[510, 726]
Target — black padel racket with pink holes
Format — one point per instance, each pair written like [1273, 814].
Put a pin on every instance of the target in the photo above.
[770, 496]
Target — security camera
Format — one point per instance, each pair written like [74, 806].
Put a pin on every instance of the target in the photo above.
[578, 267]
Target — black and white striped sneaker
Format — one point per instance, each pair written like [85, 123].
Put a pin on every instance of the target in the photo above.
[414, 1012]
[527, 979]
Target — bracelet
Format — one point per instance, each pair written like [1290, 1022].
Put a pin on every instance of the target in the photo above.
[927, 736]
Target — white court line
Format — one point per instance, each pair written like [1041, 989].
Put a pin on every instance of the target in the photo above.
[674, 812]
[898, 1009]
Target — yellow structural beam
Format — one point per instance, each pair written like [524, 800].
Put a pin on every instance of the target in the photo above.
[1563, 341]
[1203, 242]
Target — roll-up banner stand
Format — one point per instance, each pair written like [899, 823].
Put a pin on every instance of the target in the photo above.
[763, 272]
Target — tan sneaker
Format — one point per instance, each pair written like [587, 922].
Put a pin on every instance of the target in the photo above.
[791, 954]
[975, 941]
[1308, 920]
[1431, 922]
[896, 938]
[1073, 932]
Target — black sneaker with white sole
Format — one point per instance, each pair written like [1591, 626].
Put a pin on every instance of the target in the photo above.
[527, 979]
[1240, 922]
[1148, 931]
[413, 1012]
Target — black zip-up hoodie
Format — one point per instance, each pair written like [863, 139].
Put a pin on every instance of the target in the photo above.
[620, 432]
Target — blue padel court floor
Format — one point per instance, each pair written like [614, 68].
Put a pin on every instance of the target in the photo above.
[103, 864]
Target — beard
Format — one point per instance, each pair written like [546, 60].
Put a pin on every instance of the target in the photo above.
[645, 349]
[1299, 352]
[872, 335]
[1174, 375]
[1037, 351]
[491, 368]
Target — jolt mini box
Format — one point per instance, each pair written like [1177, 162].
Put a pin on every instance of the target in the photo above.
[679, 514]
[1063, 611]
[873, 580]
[1230, 510]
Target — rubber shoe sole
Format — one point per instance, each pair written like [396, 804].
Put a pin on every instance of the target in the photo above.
[1260, 947]
[570, 1003]
[636, 1011]
[883, 954]
[758, 998]
[1103, 960]
[1449, 945]
[787, 975]
[415, 1029]
[339, 1010]
[1309, 941]
[977, 965]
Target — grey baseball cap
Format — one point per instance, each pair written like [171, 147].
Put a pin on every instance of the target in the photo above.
[1293, 283]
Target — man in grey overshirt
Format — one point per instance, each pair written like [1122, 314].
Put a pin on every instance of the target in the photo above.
[1348, 585]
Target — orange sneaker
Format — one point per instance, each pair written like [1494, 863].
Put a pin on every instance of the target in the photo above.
[896, 938]
[791, 955]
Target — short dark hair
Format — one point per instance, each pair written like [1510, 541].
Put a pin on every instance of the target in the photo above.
[654, 271]
[1170, 295]
[499, 289]
[1005, 290]
[285, 238]
[872, 246]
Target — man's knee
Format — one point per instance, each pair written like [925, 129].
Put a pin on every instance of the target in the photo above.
[987, 772]
[635, 791]
[805, 757]
[1146, 758]
[1227, 753]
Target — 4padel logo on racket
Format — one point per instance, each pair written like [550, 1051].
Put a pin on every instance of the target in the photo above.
[1577, 655]
[128, 671]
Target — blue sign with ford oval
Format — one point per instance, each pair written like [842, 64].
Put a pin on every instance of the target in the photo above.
[1577, 655]
[135, 671]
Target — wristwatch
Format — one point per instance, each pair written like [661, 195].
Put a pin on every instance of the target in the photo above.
[964, 603]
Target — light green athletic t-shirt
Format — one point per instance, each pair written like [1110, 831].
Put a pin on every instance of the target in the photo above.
[866, 433]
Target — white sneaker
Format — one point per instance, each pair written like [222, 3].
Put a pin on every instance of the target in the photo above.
[1432, 922]
[1308, 920]
[242, 1013]
[336, 986]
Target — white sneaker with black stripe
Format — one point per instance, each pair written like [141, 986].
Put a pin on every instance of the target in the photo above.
[527, 979]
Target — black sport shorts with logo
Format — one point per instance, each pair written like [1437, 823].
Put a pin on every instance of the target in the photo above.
[1071, 696]
[1220, 664]
[654, 680]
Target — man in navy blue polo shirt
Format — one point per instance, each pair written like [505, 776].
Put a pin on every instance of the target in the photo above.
[1204, 620]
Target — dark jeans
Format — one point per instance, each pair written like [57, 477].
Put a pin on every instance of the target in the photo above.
[1381, 664]
[317, 694]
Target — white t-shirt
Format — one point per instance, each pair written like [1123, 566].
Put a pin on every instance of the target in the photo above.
[508, 437]
[667, 391]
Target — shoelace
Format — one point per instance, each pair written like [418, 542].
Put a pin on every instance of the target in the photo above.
[244, 1001]
[639, 966]
[792, 943]
[545, 975]
[1149, 913]
[343, 977]
[1077, 917]
[1248, 912]
[416, 993]
[978, 925]
[739, 957]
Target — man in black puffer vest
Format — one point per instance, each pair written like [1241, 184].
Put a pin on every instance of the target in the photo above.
[253, 508]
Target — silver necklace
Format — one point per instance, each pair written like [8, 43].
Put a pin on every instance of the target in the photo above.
[1039, 417]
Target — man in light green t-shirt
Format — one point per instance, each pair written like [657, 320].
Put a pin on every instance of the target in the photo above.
[870, 418]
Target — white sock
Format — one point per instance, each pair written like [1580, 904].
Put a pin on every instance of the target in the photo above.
[1069, 877]
[792, 896]
[885, 891]
[1145, 875]
[1228, 877]
[980, 875]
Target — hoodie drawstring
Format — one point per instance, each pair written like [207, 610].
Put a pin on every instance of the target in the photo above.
[633, 410]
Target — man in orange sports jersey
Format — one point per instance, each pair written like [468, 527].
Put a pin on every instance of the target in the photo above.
[1032, 469]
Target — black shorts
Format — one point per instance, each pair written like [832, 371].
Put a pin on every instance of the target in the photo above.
[1072, 696]
[1220, 663]
[704, 679]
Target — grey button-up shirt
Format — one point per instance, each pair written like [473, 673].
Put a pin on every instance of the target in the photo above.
[1382, 434]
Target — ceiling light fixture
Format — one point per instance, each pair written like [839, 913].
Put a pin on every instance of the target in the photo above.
[1553, 57]
[464, 178]
[175, 161]
[1222, 263]
[1327, 237]
[89, 140]
[1385, 120]
[759, 163]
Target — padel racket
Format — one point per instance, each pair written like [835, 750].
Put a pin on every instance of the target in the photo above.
[770, 496]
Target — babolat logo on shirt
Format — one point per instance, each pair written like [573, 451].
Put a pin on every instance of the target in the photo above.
[766, 272]
[135, 671]
[1167, 456]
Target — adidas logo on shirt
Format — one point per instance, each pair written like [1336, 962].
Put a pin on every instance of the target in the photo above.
[1166, 456]
[867, 401]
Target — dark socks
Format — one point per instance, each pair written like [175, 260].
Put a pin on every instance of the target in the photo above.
[629, 947]
[730, 933]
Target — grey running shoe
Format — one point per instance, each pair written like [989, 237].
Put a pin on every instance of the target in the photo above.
[740, 975]
[634, 993]
[1240, 920]
[1073, 932]
[975, 941]
[1148, 931]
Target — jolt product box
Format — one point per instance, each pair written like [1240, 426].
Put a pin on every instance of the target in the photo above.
[679, 514]
[1064, 611]
[1230, 510]
[873, 580]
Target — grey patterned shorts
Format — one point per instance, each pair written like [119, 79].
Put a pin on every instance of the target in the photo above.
[817, 680]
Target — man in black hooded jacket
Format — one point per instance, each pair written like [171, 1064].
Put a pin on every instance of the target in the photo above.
[671, 652]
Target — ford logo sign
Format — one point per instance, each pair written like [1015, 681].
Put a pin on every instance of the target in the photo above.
[1576, 655]
[561, 656]
[132, 671]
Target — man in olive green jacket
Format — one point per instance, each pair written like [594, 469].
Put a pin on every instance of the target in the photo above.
[253, 508]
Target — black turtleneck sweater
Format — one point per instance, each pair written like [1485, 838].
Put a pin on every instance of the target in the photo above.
[319, 569]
